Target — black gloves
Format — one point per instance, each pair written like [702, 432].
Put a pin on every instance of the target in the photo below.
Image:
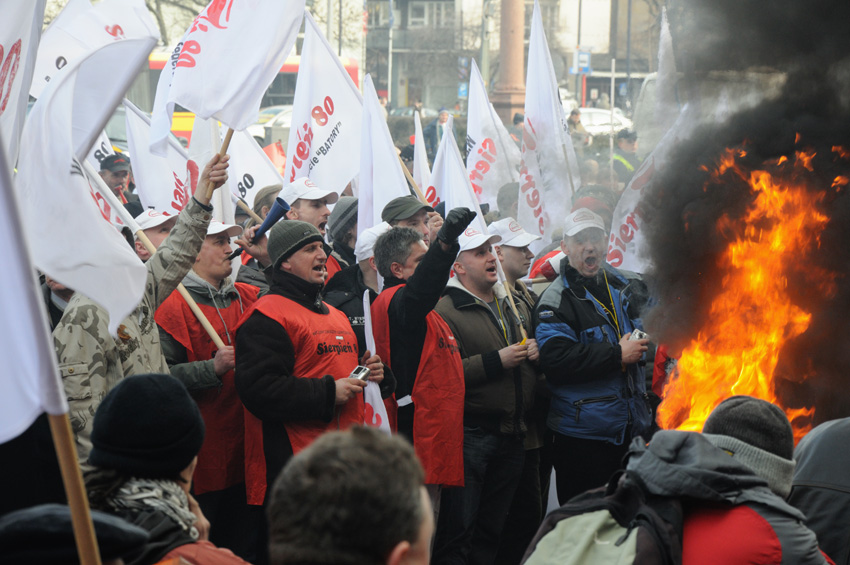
[456, 222]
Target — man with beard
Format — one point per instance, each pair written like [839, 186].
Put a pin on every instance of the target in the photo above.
[207, 373]
[584, 321]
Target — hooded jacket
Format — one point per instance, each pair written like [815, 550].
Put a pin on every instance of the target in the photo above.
[731, 515]
[593, 397]
[496, 399]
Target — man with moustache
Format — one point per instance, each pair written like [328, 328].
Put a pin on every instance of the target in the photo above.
[207, 373]
[583, 324]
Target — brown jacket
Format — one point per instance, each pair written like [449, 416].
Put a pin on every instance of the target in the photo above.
[497, 399]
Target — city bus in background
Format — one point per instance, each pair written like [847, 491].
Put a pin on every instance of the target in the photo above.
[281, 91]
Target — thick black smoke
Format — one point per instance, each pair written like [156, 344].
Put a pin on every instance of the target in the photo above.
[807, 41]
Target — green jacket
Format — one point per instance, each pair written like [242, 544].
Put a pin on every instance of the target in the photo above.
[91, 360]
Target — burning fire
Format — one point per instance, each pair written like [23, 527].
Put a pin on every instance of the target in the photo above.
[752, 316]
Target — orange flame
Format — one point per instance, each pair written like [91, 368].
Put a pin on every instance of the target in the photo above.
[737, 349]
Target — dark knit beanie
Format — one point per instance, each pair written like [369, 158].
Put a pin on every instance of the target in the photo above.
[758, 434]
[147, 426]
[44, 534]
[287, 237]
[343, 217]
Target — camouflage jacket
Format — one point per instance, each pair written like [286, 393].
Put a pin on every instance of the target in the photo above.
[91, 360]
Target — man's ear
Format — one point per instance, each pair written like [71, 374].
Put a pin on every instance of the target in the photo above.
[458, 268]
[140, 248]
[292, 214]
[372, 264]
[398, 553]
[498, 249]
[396, 269]
[264, 211]
[564, 247]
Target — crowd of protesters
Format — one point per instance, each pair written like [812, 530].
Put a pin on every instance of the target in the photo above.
[237, 451]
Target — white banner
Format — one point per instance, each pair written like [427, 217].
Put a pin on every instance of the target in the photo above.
[81, 28]
[627, 241]
[381, 177]
[492, 156]
[101, 149]
[20, 29]
[163, 183]
[29, 382]
[75, 243]
[324, 141]
[421, 168]
[549, 174]
[225, 63]
[376, 410]
[250, 170]
[451, 180]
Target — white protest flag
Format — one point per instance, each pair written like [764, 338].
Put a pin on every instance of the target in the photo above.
[666, 107]
[627, 242]
[492, 156]
[29, 382]
[376, 410]
[101, 149]
[381, 177]
[250, 170]
[549, 174]
[163, 183]
[421, 168]
[74, 242]
[81, 28]
[225, 63]
[20, 29]
[450, 178]
[324, 141]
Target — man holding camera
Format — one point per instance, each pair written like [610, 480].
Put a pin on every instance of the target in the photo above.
[294, 355]
[584, 325]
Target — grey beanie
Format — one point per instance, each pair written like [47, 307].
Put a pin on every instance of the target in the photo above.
[759, 435]
[288, 236]
[343, 217]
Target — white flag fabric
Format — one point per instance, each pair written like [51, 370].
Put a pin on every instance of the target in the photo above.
[381, 177]
[492, 157]
[250, 170]
[163, 183]
[421, 168]
[450, 178]
[627, 241]
[20, 29]
[225, 63]
[549, 174]
[74, 243]
[324, 141]
[101, 149]
[376, 410]
[81, 28]
[666, 107]
[29, 382]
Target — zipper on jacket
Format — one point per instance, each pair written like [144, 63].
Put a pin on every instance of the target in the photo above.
[579, 403]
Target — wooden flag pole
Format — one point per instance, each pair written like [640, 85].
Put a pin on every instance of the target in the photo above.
[72, 478]
[210, 188]
[412, 182]
[538, 280]
[241, 203]
[193, 306]
[506, 286]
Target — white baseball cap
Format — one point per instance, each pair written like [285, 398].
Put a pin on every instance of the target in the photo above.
[582, 219]
[217, 227]
[512, 233]
[365, 246]
[150, 218]
[306, 189]
[471, 238]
